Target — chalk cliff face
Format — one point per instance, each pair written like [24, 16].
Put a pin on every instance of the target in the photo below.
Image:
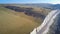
[55, 27]
[50, 25]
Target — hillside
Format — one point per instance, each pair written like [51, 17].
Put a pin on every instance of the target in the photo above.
[14, 21]
[41, 5]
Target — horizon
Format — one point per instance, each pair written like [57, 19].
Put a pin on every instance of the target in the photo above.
[29, 1]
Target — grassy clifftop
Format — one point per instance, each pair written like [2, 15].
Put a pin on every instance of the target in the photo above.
[15, 23]
[12, 22]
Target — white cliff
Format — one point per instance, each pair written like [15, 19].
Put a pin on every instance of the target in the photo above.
[48, 21]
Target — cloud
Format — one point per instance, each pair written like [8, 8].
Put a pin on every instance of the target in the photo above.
[55, 2]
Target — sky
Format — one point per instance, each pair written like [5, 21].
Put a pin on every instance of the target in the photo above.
[29, 1]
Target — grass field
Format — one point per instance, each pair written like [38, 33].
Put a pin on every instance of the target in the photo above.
[15, 23]
[12, 22]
